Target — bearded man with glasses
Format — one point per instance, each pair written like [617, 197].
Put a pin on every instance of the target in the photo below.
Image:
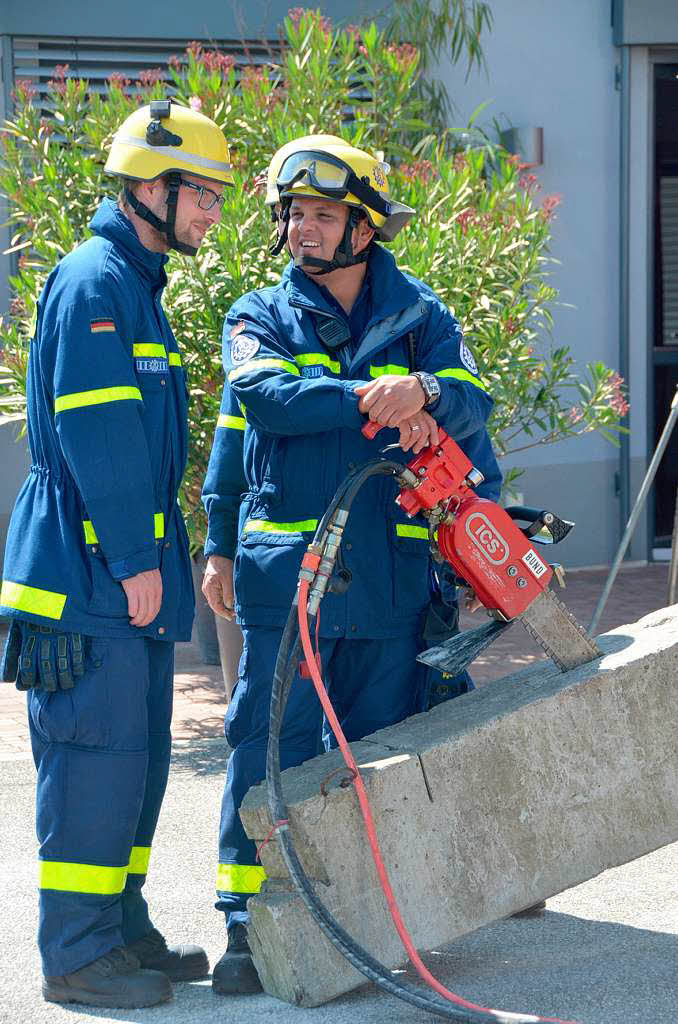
[97, 571]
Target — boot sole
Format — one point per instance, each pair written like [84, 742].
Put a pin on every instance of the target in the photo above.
[242, 979]
[197, 969]
[56, 994]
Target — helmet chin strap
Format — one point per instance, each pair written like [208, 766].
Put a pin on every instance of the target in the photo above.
[165, 227]
[343, 254]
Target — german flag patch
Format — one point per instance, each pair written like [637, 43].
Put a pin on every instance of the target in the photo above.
[101, 325]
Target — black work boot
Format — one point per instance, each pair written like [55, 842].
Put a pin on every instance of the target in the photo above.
[235, 974]
[114, 980]
[179, 963]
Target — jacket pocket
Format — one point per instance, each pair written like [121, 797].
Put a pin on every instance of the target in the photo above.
[410, 566]
[267, 564]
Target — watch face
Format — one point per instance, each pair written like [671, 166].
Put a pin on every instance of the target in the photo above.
[431, 387]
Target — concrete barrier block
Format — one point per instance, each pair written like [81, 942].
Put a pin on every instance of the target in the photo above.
[484, 806]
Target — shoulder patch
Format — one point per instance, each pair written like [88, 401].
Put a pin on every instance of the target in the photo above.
[101, 325]
[238, 329]
[467, 358]
[243, 348]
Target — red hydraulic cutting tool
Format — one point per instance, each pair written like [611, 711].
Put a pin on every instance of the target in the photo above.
[493, 555]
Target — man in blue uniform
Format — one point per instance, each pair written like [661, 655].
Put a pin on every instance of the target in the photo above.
[344, 337]
[97, 578]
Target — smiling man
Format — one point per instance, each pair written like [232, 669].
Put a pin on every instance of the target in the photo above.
[97, 572]
[344, 338]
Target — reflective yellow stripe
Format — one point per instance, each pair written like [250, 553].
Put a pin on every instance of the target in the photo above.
[240, 878]
[462, 375]
[264, 364]
[234, 422]
[138, 860]
[318, 359]
[89, 878]
[405, 530]
[174, 359]
[379, 371]
[158, 529]
[30, 599]
[154, 351]
[90, 535]
[265, 526]
[97, 397]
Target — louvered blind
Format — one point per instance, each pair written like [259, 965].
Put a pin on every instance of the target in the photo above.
[96, 60]
[668, 214]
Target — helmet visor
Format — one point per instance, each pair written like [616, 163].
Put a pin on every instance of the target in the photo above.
[324, 173]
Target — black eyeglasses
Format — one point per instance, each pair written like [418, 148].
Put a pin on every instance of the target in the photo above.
[206, 197]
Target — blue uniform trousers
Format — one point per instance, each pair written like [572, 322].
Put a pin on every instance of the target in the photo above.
[102, 753]
[372, 684]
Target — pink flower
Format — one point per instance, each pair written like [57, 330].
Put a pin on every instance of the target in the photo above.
[420, 170]
[549, 204]
[150, 77]
[195, 103]
[618, 399]
[295, 14]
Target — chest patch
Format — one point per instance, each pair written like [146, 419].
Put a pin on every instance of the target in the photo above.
[151, 365]
[311, 371]
[467, 358]
[243, 348]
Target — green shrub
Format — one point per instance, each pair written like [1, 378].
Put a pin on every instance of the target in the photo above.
[480, 239]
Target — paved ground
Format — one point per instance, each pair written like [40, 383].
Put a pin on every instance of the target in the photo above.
[605, 952]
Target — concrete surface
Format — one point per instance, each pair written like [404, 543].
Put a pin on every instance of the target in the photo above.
[533, 780]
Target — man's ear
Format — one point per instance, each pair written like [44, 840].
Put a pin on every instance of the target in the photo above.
[149, 191]
[362, 235]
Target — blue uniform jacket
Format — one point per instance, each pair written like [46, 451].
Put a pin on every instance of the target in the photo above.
[290, 430]
[107, 428]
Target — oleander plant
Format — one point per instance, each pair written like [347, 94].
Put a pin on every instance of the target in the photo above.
[480, 239]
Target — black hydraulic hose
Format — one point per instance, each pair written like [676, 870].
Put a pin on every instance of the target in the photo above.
[285, 668]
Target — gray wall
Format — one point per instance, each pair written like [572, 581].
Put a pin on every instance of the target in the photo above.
[553, 64]
[645, 21]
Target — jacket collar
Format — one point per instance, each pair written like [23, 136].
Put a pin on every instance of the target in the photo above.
[391, 292]
[110, 222]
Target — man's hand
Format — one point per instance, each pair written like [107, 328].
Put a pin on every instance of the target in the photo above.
[417, 432]
[390, 399]
[217, 586]
[144, 596]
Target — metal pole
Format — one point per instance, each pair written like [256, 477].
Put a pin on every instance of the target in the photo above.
[673, 570]
[630, 526]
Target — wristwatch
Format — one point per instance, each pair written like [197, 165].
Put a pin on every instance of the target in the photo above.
[430, 387]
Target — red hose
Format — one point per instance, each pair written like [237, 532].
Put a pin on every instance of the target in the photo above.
[405, 938]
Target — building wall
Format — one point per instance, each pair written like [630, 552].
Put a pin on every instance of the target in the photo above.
[553, 65]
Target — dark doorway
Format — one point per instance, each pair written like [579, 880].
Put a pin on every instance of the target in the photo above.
[665, 341]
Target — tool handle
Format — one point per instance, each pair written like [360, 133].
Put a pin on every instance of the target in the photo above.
[551, 527]
[371, 429]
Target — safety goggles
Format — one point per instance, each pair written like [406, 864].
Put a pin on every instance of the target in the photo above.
[330, 176]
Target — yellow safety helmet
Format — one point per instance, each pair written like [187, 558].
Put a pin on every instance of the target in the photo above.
[339, 171]
[279, 157]
[164, 137]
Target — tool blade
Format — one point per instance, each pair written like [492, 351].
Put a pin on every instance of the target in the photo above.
[455, 654]
[557, 631]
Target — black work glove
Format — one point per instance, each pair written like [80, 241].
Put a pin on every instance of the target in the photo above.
[41, 657]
